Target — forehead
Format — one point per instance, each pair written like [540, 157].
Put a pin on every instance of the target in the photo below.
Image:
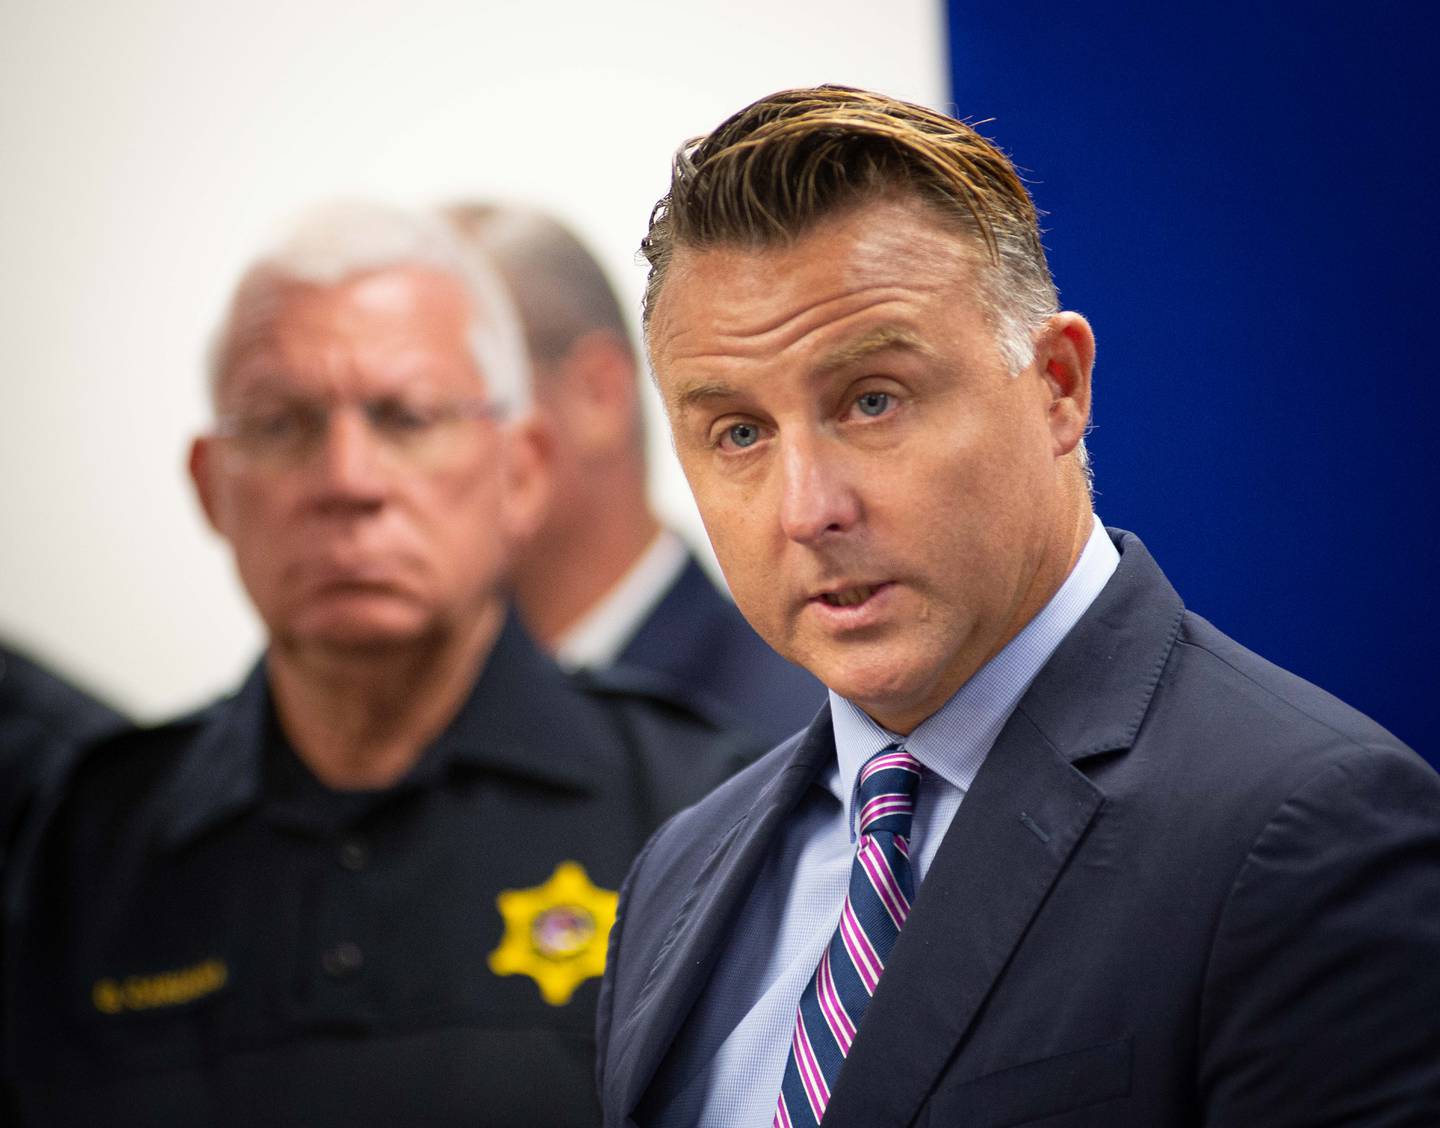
[397, 323]
[892, 261]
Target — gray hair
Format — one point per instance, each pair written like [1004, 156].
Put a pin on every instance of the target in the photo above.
[334, 242]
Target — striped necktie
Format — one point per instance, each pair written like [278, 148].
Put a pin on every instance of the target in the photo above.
[876, 905]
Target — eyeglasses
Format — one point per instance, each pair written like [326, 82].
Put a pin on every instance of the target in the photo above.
[289, 432]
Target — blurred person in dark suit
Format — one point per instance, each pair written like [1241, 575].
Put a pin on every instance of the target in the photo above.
[42, 714]
[44, 722]
[58, 710]
[374, 886]
[603, 581]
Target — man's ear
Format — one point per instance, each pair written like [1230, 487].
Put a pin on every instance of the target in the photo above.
[601, 405]
[529, 469]
[203, 466]
[1065, 354]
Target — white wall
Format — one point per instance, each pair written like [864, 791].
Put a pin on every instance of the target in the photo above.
[150, 146]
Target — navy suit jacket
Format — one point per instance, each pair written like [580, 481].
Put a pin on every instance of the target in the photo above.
[1186, 888]
[713, 659]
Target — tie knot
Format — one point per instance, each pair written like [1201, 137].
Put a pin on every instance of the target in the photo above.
[887, 792]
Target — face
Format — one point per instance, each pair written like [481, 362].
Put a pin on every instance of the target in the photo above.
[365, 535]
[889, 504]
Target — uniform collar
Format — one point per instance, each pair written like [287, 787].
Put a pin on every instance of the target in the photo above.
[524, 718]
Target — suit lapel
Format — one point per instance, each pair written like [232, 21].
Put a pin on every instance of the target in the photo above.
[696, 938]
[1011, 838]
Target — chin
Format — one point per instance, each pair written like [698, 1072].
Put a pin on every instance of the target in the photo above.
[364, 625]
[875, 691]
[361, 640]
[884, 686]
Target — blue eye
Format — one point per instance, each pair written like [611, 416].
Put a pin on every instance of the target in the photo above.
[873, 403]
[743, 434]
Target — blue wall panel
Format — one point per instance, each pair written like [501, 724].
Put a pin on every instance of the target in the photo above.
[1244, 203]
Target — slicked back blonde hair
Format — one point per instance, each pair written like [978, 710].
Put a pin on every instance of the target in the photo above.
[769, 173]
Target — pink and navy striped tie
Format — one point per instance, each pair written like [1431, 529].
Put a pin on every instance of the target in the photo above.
[876, 905]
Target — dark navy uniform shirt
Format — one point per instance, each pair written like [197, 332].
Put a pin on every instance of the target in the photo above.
[211, 937]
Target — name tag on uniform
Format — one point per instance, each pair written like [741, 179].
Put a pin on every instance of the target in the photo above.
[160, 989]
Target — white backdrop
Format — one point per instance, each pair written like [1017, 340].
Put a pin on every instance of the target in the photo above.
[150, 146]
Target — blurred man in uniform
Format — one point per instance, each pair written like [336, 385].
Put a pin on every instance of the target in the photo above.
[1058, 851]
[603, 581]
[373, 887]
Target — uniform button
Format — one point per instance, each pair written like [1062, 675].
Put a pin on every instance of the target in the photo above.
[354, 855]
[345, 958]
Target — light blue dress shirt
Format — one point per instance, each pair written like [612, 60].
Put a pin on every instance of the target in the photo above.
[725, 1070]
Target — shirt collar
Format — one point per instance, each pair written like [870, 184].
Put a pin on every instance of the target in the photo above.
[603, 632]
[954, 740]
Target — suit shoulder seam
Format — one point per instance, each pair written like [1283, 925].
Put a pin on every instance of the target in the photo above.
[1350, 739]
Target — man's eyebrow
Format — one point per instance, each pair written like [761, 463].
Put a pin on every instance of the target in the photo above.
[877, 340]
[697, 394]
[852, 352]
[264, 386]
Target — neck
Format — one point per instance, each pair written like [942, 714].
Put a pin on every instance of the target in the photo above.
[573, 563]
[1054, 562]
[1070, 533]
[359, 718]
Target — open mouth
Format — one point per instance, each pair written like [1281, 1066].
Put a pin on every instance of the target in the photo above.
[848, 597]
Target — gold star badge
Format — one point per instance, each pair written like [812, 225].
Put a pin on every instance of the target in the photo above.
[556, 933]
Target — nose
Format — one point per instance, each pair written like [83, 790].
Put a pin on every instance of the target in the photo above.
[818, 497]
[348, 462]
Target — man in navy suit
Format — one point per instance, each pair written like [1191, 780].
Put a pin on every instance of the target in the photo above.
[1132, 874]
[603, 582]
